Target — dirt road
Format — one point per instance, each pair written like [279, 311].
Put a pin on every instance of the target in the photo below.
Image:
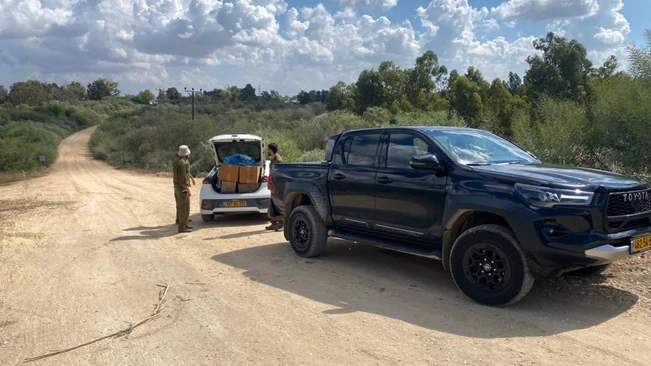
[83, 249]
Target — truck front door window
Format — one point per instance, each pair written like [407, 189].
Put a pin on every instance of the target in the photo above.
[403, 147]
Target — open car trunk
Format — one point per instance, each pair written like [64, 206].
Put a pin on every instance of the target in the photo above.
[227, 145]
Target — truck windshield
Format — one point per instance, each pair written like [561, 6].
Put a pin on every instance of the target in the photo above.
[476, 147]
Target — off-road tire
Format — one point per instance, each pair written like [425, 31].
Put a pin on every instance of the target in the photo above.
[476, 245]
[306, 232]
[589, 271]
[208, 218]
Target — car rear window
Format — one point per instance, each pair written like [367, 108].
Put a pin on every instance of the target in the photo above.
[249, 148]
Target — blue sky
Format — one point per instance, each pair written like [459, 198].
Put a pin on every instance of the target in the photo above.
[289, 45]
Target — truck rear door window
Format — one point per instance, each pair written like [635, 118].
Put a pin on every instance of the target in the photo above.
[361, 150]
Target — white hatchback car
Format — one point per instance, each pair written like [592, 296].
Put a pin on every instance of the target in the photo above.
[212, 200]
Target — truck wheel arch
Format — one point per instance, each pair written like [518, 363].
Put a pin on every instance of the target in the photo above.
[304, 194]
[464, 220]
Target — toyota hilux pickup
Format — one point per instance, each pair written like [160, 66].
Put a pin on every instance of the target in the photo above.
[496, 216]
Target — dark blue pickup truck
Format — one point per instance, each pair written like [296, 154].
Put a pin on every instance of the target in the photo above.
[495, 215]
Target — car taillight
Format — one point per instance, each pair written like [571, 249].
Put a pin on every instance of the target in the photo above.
[265, 179]
[206, 180]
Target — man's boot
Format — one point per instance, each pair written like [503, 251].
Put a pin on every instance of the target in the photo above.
[186, 229]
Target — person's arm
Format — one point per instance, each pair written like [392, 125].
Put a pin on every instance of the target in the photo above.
[186, 168]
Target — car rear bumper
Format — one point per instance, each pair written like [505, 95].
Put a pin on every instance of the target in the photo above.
[253, 205]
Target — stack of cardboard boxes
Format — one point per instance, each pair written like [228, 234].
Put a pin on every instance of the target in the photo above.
[239, 178]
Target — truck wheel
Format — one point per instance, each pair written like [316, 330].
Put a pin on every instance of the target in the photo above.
[207, 218]
[307, 232]
[488, 266]
[589, 271]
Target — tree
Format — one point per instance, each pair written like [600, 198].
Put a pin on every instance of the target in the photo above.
[561, 72]
[3, 94]
[145, 97]
[234, 93]
[608, 69]
[640, 59]
[370, 92]
[394, 82]
[248, 93]
[465, 99]
[30, 92]
[77, 90]
[102, 89]
[337, 97]
[514, 83]
[276, 97]
[173, 94]
[424, 77]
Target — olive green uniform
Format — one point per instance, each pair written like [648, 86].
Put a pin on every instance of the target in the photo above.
[275, 220]
[182, 183]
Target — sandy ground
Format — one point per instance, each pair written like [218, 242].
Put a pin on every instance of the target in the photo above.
[83, 249]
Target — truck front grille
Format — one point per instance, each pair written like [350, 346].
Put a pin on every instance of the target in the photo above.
[626, 210]
[629, 203]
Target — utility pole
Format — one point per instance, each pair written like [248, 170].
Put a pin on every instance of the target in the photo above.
[192, 92]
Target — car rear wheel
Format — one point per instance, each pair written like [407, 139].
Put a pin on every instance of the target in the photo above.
[589, 271]
[307, 232]
[488, 266]
[208, 218]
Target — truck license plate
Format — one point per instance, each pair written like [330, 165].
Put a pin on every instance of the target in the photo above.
[236, 204]
[641, 244]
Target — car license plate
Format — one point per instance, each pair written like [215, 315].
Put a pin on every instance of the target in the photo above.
[641, 244]
[236, 204]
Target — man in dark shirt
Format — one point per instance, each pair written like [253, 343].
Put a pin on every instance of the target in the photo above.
[276, 220]
[182, 192]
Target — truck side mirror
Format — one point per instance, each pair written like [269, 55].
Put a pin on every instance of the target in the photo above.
[426, 162]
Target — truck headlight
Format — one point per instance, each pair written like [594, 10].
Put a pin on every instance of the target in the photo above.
[550, 197]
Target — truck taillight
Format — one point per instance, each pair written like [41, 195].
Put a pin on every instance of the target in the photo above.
[270, 185]
[206, 180]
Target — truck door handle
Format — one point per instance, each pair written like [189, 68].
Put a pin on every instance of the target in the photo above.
[384, 180]
[339, 176]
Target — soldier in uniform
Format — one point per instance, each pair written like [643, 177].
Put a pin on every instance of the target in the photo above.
[277, 222]
[182, 192]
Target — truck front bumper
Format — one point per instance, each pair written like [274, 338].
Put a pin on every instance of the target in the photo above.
[555, 244]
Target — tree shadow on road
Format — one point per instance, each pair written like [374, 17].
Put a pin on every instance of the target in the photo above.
[419, 291]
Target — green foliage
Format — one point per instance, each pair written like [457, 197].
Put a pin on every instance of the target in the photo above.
[4, 95]
[622, 114]
[102, 88]
[562, 70]
[145, 97]
[27, 132]
[640, 60]
[30, 92]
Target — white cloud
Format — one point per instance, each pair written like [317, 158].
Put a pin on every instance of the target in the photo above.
[158, 43]
[542, 10]
[609, 36]
[384, 4]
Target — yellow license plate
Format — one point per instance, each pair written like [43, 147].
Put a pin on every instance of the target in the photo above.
[641, 244]
[236, 204]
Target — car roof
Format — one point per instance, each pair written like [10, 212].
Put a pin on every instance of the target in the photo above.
[230, 136]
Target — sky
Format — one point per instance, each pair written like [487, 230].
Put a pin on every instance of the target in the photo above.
[292, 45]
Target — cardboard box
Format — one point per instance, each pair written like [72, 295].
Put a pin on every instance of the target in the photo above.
[229, 173]
[247, 187]
[228, 187]
[250, 174]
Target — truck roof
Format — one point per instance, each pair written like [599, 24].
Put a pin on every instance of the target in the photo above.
[416, 128]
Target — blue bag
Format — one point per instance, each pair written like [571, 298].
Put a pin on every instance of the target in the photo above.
[240, 159]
